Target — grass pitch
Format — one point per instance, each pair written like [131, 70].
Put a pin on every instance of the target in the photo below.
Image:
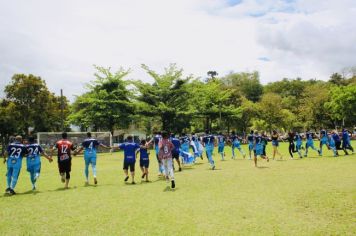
[309, 196]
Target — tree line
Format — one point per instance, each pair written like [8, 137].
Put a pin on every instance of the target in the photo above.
[178, 103]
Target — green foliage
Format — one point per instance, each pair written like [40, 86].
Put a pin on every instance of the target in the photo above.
[167, 98]
[342, 104]
[106, 105]
[35, 105]
[248, 84]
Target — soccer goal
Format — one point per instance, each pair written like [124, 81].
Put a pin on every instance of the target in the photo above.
[48, 139]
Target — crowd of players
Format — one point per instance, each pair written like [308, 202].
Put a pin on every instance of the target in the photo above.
[167, 149]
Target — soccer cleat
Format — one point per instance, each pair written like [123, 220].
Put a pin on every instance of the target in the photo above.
[34, 188]
[126, 178]
[213, 168]
[12, 192]
[7, 190]
[95, 181]
[180, 168]
[133, 182]
[173, 184]
[143, 176]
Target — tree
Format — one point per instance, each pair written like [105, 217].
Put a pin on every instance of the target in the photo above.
[247, 83]
[107, 104]
[8, 125]
[37, 107]
[343, 104]
[167, 98]
[270, 108]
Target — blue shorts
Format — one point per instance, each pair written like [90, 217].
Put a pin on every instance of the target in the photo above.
[236, 144]
[250, 146]
[34, 167]
[90, 160]
[324, 140]
[258, 151]
[221, 149]
[275, 143]
[309, 144]
[145, 163]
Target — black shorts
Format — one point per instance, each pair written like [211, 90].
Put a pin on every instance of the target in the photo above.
[145, 164]
[65, 166]
[175, 155]
[129, 165]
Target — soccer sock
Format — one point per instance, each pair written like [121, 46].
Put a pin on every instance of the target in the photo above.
[233, 152]
[32, 177]
[94, 170]
[8, 178]
[86, 171]
[242, 152]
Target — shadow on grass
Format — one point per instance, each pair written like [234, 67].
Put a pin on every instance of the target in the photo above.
[169, 189]
[262, 167]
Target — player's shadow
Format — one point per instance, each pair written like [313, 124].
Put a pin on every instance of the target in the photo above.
[169, 189]
[262, 167]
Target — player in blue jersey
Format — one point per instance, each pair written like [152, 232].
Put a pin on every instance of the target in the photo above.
[275, 144]
[346, 144]
[184, 143]
[90, 146]
[298, 144]
[33, 160]
[235, 143]
[176, 150]
[208, 142]
[251, 141]
[129, 148]
[324, 140]
[15, 152]
[198, 150]
[258, 148]
[221, 145]
[309, 143]
[332, 144]
[144, 159]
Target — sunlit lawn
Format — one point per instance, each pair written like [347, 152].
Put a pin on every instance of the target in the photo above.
[309, 196]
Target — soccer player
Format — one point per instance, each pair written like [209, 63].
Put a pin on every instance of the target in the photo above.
[258, 148]
[346, 141]
[175, 151]
[275, 144]
[299, 142]
[323, 141]
[291, 147]
[15, 152]
[208, 142]
[129, 148]
[33, 160]
[165, 155]
[221, 145]
[310, 143]
[185, 142]
[144, 159]
[332, 144]
[198, 150]
[156, 139]
[251, 140]
[264, 142]
[90, 146]
[64, 148]
[335, 136]
[235, 143]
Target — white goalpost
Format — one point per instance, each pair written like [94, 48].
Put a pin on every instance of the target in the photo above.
[48, 139]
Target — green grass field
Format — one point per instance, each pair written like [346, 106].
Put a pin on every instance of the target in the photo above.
[309, 196]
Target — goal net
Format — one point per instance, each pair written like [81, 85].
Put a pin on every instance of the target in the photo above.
[48, 139]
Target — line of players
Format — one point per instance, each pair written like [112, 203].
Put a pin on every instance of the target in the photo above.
[166, 148]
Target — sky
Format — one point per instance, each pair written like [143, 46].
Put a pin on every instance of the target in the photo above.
[60, 41]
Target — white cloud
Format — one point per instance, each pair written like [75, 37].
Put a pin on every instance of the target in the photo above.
[61, 41]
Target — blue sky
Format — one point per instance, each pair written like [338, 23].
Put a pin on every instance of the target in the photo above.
[61, 41]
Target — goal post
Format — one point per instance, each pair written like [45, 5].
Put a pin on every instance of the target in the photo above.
[48, 139]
